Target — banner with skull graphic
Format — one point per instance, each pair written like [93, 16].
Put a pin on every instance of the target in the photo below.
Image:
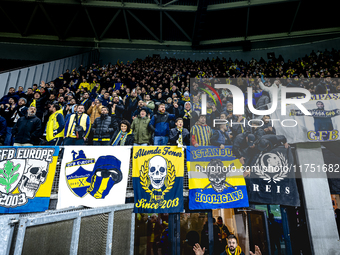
[272, 178]
[158, 179]
[26, 178]
[92, 177]
[215, 179]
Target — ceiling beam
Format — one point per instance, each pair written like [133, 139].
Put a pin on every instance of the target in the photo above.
[119, 5]
[296, 12]
[10, 20]
[90, 39]
[91, 23]
[30, 20]
[255, 38]
[247, 25]
[244, 4]
[276, 36]
[161, 26]
[127, 26]
[71, 23]
[109, 25]
[143, 25]
[49, 20]
[171, 2]
[178, 26]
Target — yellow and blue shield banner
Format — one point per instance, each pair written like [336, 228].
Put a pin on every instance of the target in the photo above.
[93, 177]
[157, 177]
[215, 179]
[26, 178]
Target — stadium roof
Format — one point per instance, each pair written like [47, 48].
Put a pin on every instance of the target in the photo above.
[194, 24]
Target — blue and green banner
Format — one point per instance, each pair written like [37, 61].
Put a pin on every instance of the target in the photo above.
[215, 179]
[26, 178]
[157, 176]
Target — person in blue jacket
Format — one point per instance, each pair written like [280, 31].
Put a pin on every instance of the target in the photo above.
[160, 124]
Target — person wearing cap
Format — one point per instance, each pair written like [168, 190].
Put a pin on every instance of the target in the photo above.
[242, 145]
[268, 142]
[185, 98]
[39, 100]
[188, 115]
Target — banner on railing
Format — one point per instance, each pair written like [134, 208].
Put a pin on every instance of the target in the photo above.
[26, 178]
[158, 179]
[93, 177]
[215, 179]
[322, 125]
[272, 178]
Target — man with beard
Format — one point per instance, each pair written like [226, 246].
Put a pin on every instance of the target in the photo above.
[27, 129]
[77, 127]
[102, 128]
[231, 249]
[160, 124]
[131, 103]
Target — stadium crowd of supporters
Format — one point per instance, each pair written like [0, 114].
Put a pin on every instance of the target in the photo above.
[149, 102]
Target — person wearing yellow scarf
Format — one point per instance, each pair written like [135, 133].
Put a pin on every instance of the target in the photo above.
[231, 249]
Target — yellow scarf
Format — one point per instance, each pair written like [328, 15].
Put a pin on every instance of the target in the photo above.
[238, 250]
[34, 103]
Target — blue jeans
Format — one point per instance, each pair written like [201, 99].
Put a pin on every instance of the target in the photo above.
[161, 140]
[9, 138]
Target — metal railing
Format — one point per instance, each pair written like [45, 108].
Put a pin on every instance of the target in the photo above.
[104, 230]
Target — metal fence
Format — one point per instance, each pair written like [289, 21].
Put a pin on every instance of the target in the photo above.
[48, 71]
[104, 230]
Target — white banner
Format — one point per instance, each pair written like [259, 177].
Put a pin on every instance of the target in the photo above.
[321, 126]
[93, 176]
